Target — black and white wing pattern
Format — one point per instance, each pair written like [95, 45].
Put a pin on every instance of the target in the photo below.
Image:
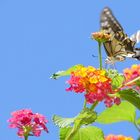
[136, 37]
[120, 45]
[137, 53]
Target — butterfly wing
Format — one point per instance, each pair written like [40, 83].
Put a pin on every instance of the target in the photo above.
[137, 53]
[116, 53]
[119, 45]
[108, 21]
[136, 37]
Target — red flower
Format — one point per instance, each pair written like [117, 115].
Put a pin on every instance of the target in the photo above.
[28, 123]
[94, 83]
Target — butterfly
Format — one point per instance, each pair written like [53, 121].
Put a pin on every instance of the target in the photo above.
[120, 45]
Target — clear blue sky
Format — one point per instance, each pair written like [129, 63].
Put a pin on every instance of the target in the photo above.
[40, 37]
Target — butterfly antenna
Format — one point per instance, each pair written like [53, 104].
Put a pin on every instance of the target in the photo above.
[114, 66]
[97, 56]
[110, 66]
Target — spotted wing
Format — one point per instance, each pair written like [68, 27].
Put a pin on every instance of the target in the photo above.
[119, 44]
[108, 21]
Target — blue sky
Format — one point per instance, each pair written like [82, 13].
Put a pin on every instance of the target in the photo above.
[40, 37]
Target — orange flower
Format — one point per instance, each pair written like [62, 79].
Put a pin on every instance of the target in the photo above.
[100, 36]
[131, 74]
[94, 83]
[119, 137]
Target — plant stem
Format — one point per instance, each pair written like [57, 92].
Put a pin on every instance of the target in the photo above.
[74, 130]
[100, 55]
[93, 105]
[26, 137]
[85, 103]
[130, 82]
[138, 78]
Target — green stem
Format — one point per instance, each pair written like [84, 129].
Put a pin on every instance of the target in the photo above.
[130, 82]
[74, 130]
[26, 137]
[100, 55]
[94, 105]
[85, 103]
[138, 78]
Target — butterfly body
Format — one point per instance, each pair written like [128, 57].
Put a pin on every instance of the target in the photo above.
[120, 45]
[116, 52]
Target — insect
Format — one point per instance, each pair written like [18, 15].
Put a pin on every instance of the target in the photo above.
[120, 45]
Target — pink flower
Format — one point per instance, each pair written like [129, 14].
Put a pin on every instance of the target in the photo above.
[117, 137]
[94, 83]
[130, 74]
[28, 123]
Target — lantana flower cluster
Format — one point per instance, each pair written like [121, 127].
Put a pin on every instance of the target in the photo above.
[132, 73]
[28, 123]
[94, 83]
[117, 137]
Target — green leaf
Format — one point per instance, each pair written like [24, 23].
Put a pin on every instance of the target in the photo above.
[62, 122]
[117, 113]
[138, 138]
[117, 81]
[138, 83]
[86, 133]
[117, 78]
[86, 116]
[66, 72]
[131, 96]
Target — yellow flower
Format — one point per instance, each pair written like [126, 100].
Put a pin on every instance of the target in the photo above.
[102, 72]
[94, 83]
[102, 79]
[93, 80]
